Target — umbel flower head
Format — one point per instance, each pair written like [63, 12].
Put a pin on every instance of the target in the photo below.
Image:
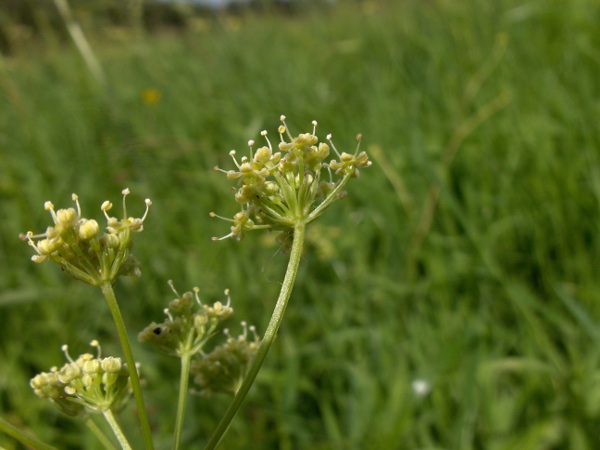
[92, 384]
[78, 246]
[188, 326]
[223, 370]
[280, 189]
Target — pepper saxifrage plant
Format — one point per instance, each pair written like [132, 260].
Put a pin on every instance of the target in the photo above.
[280, 190]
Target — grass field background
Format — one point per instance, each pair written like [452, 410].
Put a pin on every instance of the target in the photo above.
[466, 257]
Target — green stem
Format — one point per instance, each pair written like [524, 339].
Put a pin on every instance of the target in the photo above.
[109, 293]
[333, 196]
[81, 42]
[98, 433]
[270, 333]
[183, 391]
[24, 438]
[110, 418]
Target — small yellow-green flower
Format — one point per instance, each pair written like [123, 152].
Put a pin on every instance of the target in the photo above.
[78, 246]
[92, 384]
[280, 189]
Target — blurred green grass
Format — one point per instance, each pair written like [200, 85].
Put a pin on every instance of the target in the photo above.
[466, 257]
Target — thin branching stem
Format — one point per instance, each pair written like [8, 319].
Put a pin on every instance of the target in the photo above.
[270, 333]
[183, 394]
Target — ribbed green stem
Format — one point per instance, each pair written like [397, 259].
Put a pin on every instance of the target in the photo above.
[104, 440]
[110, 418]
[270, 333]
[109, 294]
[183, 394]
[24, 438]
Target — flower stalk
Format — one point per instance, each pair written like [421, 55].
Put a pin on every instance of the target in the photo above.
[110, 418]
[109, 294]
[76, 244]
[270, 333]
[182, 399]
[104, 440]
[284, 191]
[188, 326]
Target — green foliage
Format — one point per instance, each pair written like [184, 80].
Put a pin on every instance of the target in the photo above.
[466, 256]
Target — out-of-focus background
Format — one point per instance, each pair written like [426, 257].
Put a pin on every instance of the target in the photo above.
[451, 301]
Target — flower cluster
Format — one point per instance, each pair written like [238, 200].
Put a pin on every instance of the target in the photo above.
[188, 326]
[77, 245]
[89, 383]
[277, 190]
[223, 370]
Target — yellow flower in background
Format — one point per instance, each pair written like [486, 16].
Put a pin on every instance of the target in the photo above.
[151, 96]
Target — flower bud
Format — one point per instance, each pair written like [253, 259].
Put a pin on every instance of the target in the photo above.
[111, 365]
[244, 195]
[182, 304]
[218, 311]
[92, 366]
[39, 381]
[200, 320]
[89, 380]
[271, 188]
[246, 168]
[323, 150]
[110, 241]
[88, 229]
[49, 246]
[262, 155]
[68, 373]
[66, 217]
